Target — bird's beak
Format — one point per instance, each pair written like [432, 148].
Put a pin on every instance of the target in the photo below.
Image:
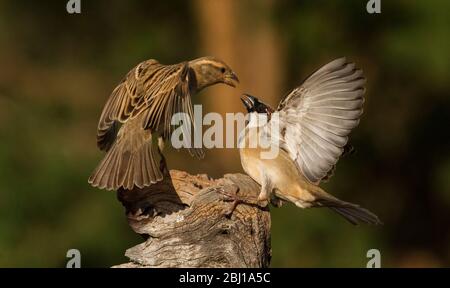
[231, 79]
[248, 101]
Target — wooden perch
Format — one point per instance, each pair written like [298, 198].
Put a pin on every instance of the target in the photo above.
[186, 222]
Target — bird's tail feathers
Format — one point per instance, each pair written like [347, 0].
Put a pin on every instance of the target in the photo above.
[353, 213]
[127, 167]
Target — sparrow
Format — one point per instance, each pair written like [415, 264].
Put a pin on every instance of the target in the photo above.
[138, 114]
[310, 130]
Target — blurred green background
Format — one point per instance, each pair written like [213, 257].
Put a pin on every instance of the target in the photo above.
[57, 70]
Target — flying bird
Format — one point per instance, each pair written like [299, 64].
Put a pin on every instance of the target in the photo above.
[136, 119]
[310, 128]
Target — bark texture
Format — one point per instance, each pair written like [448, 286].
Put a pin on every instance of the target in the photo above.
[186, 222]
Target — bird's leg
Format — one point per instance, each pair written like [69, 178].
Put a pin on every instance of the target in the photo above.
[162, 162]
[264, 197]
[266, 190]
[229, 193]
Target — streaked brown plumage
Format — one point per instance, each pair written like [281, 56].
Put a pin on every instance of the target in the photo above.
[310, 128]
[144, 103]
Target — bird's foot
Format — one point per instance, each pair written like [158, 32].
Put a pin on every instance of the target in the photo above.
[230, 194]
[265, 198]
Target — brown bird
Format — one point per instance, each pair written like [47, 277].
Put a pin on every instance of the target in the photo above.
[309, 132]
[144, 103]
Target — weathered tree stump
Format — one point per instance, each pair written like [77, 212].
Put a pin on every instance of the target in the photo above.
[186, 222]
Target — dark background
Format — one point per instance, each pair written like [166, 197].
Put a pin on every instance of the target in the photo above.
[57, 70]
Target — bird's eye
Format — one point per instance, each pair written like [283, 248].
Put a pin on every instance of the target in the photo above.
[222, 70]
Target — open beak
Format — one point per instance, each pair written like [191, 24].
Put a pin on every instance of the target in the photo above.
[231, 79]
[248, 101]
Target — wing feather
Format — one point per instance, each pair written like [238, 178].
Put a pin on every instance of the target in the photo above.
[317, 117]
[157, 90]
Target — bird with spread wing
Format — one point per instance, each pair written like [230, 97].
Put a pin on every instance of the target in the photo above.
[139, 112]
[310, 127]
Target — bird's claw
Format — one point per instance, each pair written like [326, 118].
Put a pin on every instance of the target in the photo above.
[230, 195]
[236, 199]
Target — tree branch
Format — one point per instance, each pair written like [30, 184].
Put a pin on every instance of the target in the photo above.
[186, 222]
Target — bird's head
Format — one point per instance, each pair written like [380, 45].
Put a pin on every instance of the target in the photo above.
[253, 104]
[209, 71]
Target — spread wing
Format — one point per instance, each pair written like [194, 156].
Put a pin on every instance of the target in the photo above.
[315, 119]
[157, 90]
